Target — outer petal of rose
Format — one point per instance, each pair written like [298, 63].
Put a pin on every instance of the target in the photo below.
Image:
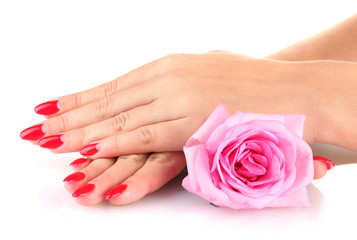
[304, 166]
[190, 181]
[293, 122]
[218, 117]
[199, 180]
[297, 199]
[240, 201]
[216, 138]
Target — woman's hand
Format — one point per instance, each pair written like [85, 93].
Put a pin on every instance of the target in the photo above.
[158, 106]
[122, 180]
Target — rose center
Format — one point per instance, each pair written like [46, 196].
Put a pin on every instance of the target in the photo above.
[248, 166]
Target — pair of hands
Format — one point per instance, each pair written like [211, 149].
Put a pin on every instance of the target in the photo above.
[146, 116]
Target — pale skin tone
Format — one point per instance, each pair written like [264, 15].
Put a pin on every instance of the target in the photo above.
[157, 107]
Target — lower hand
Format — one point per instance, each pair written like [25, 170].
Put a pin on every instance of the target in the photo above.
[127, 179]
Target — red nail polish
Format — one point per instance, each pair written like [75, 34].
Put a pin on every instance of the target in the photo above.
[84, 190]
[48, 108]
[52, 142]
[90, 150]
[327, 161]
[78, 161]
[33, 133]
[116, 191]
[74, 177]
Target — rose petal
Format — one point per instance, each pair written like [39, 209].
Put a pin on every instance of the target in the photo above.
[253, 146]
[190, 181]
[200, 181]
[218, 117]
[240, 201]
[304, 166]
[297, 199]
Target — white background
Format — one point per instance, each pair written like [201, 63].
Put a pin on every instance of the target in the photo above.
[52, 48]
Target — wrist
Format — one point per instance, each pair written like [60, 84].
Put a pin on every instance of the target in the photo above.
[332, 87]
[297, 82]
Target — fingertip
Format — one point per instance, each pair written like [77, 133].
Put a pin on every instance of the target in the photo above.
[48, 108]
[90, 149]
[320, 169]
[130, 194]
[79, 163]
[115, 191]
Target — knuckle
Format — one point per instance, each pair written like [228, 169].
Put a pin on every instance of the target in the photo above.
[120, 122]
[109, 88]
[82, 135]
[146, 136]
[160, 158]
[166, 161]
[102, 107]
[170, 61]
[77, 100]
[138, 159]
[62, 123]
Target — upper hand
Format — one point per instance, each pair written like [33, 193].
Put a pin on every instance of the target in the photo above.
[158, 106]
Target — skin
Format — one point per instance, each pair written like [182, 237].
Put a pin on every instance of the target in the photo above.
[152, 109]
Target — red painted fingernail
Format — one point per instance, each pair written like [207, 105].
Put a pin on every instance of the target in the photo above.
[52, 142]
[115, 191]
[90, 150]
[84, 190]
[78, 161]
[74, 177]
[327, 161]
[34, 133]
[48, 108]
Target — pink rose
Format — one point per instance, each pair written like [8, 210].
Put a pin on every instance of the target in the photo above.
[250, 160]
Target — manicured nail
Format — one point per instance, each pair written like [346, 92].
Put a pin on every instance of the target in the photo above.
[90, 150]
[327, 161]
[116, 191]
[84, 190]
[34, 133]
[78, 162]
[48, 108]
[52, 142]
[74, 177]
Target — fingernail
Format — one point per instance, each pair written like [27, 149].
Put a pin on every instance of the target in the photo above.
[116, 191]
[48, 108]
[74, 177]
[84, 190]
[78, 162]
[327, 161]
[52, 142]
[90, 150]
[33, 133]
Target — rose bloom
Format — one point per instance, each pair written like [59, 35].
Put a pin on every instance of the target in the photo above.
[250, 160]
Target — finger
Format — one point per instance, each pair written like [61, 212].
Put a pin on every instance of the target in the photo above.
[95, 168]
[161, 137]
[128, 80]
[320, 169]
[102, 109]
[157, 171]
[123, 168]
[321, 166]
[80, 163]
[123, 122]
